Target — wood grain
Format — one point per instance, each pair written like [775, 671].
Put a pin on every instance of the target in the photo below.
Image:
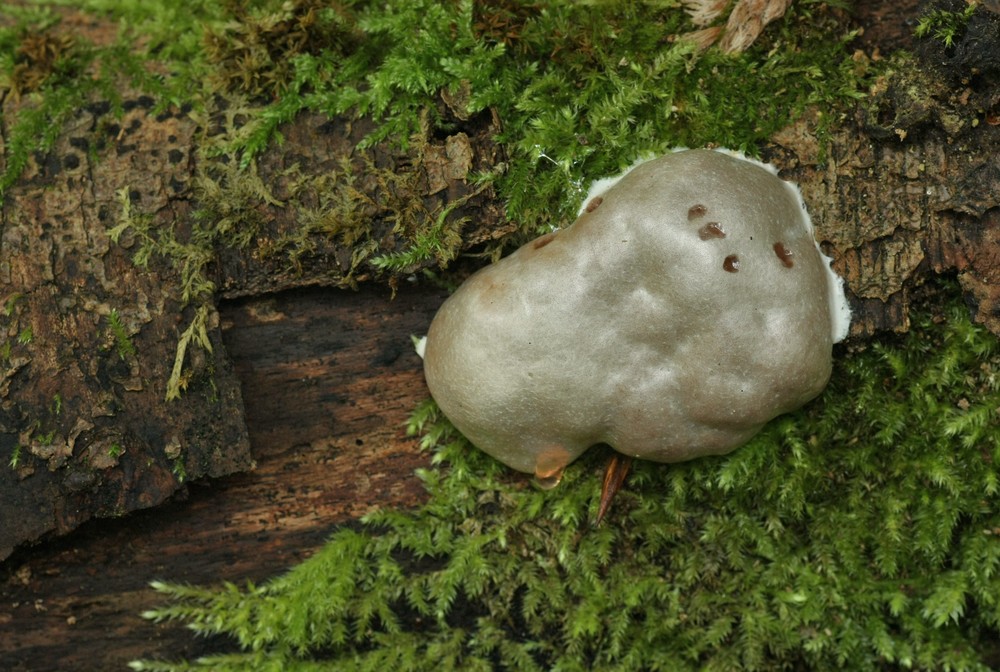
[329, 377]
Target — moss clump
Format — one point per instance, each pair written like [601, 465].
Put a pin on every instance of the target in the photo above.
[189, 257]
[253, 51]
[945, 25]
[121, 337]
[580, 89]
[858, 533]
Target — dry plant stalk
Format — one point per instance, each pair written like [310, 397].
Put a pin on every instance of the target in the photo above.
[746, 21]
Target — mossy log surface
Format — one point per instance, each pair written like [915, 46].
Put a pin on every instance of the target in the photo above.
[96, 437]
[84, 412]
[312, 385]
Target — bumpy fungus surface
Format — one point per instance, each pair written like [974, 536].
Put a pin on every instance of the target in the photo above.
[686, 307]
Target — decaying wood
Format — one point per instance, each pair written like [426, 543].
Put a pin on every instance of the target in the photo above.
[95, 434]
[329, 379]
[908, 191]
[893, 215]
[364, 198]
[87, 419]
[327, 375]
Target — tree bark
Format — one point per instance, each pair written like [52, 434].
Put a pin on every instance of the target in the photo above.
[83, 423]
[88, 422]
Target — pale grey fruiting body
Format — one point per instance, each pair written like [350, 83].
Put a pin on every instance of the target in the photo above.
[686, 307]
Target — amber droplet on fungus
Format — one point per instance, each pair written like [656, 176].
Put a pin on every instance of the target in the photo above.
[784, 254]
[731, 264]
[544, 240]
[549, 466]
[711, 230]
[696, 211]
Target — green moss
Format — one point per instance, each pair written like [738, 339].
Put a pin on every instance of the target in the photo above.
[858, 533]
[36, 128]
[53, 75]
[440, 242]
[253, 53]
[189, 256]
[195, 334]
[582, 89]
[944, 25]
[168, 33]
[25, 336]
[15, 457]
[122, 339]
[178, 469]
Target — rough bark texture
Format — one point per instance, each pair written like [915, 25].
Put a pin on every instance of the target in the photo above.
[329, 379]
[88, 421]
[893, 214]
[327, 375]
[86, 416]
[911, 184]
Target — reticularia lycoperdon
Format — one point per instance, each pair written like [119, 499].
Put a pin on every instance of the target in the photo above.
[687, 306]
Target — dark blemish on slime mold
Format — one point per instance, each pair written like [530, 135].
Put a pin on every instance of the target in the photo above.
[731, 264]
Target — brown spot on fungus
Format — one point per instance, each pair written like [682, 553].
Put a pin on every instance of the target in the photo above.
[696, 211]
[711, 230]
[543, 241]
[594, 204]
[731, 264]
[784, 254]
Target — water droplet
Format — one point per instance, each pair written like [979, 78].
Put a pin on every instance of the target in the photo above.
[594, 204]
[696, 211]
[731, 264]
